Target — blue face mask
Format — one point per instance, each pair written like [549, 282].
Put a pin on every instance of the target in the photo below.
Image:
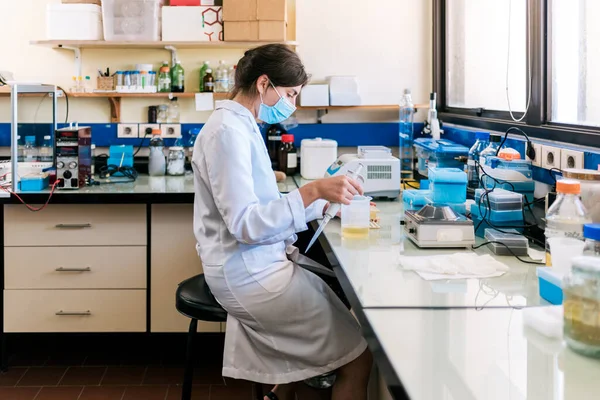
[281, 111]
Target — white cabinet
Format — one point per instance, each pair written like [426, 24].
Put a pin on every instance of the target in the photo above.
[173, 259]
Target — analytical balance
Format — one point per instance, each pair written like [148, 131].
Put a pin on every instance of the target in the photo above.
[381, 170]
[438, 227]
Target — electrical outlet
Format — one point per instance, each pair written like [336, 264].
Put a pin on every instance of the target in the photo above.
[550, 157]
[171, 131]
[571, 159]
[128, 131]
[146, 129]
[537, 161]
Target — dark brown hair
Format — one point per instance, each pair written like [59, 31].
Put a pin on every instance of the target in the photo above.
[280, 63]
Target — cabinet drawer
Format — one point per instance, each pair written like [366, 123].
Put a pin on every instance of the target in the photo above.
[75, 225]
[75, 267]
[74, 310]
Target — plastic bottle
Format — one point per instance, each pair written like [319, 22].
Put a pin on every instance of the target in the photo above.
[88, 85]
[232, 77]
[156, 160]
[407, 114]
[567, 215]
[173, 114]
[209, 82]
[164, 78]
[490, 150]
[203, 69]
[30, 152]
[46, 150]
[80, 84]
[288, 156]
[222, 78]
[20, 150]
[481, 143]
[177, 78]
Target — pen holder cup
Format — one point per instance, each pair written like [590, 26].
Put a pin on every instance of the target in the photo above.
[106, 83]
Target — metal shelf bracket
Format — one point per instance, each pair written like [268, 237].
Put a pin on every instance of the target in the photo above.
[78, 58]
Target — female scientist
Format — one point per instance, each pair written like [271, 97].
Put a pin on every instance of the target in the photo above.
[285, 324]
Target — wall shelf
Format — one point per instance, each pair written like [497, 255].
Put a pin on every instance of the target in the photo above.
[101, 44]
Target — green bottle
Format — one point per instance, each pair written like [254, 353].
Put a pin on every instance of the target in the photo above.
[205, 66]
[177, 78]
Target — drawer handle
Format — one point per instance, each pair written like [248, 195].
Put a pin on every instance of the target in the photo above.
[73, 313]
[61, 269]
[73, 226]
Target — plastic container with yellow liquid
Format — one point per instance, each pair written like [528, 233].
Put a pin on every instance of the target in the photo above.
[356, 219]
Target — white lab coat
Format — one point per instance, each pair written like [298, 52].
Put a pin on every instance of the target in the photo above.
[284, 324]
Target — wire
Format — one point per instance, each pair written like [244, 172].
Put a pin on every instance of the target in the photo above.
[510, 250]
[67, 104]
[141, 144]
[409, 185]
[30, 208]
[508, 68]
[108, 171]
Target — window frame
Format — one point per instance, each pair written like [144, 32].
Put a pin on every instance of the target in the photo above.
[538, 122]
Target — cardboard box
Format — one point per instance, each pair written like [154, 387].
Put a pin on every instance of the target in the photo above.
[195, 3]
[245, 31]
[96, 2]
[272, 10]
[240, 10]
[254, 10]
[193, 24]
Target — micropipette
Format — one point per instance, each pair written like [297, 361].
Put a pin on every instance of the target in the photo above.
[333, 209]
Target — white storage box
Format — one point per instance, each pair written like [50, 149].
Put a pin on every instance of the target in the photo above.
[194, 24]
[314, 96]
[74, 22]
[344, 91]
[132, 20]
[317, 155]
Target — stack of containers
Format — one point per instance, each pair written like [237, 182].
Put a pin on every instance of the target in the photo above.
[255, 20]
[513, 175]
[126, 20]
[514, 244]
[448, 188]
[439, 154]
[497, 209]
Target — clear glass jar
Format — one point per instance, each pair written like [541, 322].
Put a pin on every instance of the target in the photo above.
[591, 233]
[582, 306]
[162, 116]
[176, 161]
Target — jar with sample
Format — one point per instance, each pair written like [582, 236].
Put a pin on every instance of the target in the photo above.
[162, 115]
[582, 306]
[288, 156]
[565, 220]
[156, 160]
[589, 180]
[356, 218]
[176, 161]
[591, 233]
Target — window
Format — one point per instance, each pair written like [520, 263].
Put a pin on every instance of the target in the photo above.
[481, 60]
[575, 56]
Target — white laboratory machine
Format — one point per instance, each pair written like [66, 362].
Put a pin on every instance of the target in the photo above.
[381, 172]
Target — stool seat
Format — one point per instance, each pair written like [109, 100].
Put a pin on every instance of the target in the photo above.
[195, 300]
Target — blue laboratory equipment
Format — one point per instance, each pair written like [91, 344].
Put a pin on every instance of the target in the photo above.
[448, 185]
[513, 175]
[415, 199]
[440, 153]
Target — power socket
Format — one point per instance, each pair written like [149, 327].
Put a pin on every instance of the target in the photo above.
[128, 131]
[537, 161]
[550, 157]
[171, 131]
[571, 159]
[146, 129]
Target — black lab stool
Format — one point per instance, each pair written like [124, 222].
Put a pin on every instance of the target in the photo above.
[195, 300]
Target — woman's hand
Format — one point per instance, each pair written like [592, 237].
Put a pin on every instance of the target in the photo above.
[338, 189]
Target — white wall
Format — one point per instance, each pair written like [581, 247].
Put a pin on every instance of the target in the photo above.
[388, 45]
